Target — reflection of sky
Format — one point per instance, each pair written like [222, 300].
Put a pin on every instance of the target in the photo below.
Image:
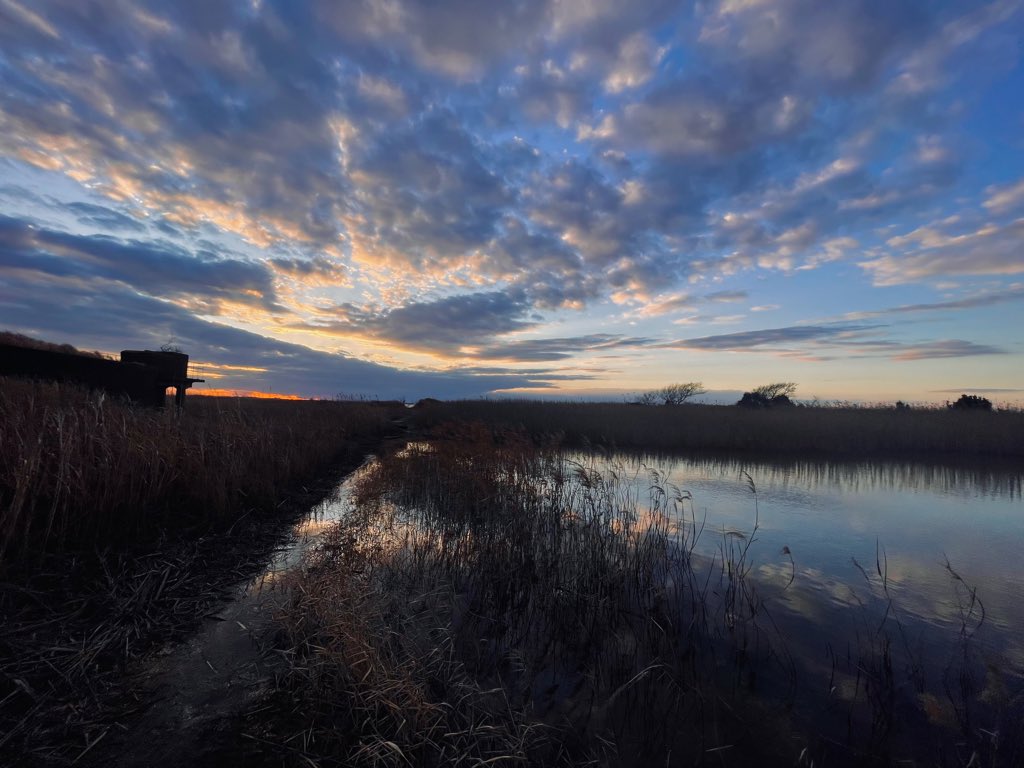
[917, 516]
[306, 533]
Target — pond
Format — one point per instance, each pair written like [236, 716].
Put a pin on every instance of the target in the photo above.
[931, 554]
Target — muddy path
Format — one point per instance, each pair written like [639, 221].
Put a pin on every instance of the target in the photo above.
[184, 704]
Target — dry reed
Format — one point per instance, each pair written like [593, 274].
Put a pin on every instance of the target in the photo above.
[488, 600]
[846, 432]
[79, 469]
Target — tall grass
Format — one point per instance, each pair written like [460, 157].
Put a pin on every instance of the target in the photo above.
[488, 601]
[122, 527]
[819, 431]
[79, 469]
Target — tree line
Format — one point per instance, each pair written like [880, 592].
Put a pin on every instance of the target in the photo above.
[774, 395]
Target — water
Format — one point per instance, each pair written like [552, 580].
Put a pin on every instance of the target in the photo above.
[224, 669]
[911, 518]
[843, 524]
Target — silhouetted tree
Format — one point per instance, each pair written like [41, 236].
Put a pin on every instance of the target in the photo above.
[769, 395]
[779, 389]
[972, 403]
[677, 394]
[673, 394]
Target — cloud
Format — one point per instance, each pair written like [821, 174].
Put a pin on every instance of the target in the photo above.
[685, 302]
[315, 269]
[458, 39]
[814, 342]
[745, 340]
[152, 267]
[549, 349]
[972, 302]
[945, 348]
[989, 250]
[468, 327]
[355, 126]
[104, 218]
[444, 326]
[428, 194]
[1006, 197]
[116, 317]
[449, 178]
[634, 65]
[686, 119]
[842, 47]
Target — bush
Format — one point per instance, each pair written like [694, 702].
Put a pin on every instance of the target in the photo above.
[972, 403]
[769, 395]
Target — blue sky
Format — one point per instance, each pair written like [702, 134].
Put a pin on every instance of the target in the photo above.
[455, 198]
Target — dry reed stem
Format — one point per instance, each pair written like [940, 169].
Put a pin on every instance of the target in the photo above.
[561, 616]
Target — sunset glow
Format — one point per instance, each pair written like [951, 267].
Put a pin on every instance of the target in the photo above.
[574, 199]
[244, 393]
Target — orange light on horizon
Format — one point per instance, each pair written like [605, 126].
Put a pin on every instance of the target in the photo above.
[213, 392]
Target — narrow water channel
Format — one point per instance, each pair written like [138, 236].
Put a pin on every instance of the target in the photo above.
[191, 695]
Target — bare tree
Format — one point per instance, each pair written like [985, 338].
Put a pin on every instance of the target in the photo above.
[673, 394]
[773, 391]
[677, 394]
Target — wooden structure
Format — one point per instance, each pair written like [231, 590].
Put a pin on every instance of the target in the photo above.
[171, 370]
[142, 376]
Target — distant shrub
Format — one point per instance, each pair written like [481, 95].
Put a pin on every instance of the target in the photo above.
[769, 395]
[972, 403]
[901, 406]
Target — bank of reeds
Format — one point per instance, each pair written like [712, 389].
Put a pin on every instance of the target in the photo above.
[121, 527]
[488, 603]
[819, 431]
[80, 470]
[491, 602]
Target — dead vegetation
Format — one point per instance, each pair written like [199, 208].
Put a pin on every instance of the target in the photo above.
[875, 433]
[121, 527]
[489, 601]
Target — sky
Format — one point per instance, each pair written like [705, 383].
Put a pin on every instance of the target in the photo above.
[571, 198]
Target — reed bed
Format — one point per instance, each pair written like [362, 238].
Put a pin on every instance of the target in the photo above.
[79, 469]
[805, 430]
[121, 527]
[489, 601]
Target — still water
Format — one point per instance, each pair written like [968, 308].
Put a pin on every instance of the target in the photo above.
[866, 541]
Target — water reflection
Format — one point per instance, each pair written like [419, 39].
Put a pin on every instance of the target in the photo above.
[305, 534]
[971, 479]
[865, 538]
